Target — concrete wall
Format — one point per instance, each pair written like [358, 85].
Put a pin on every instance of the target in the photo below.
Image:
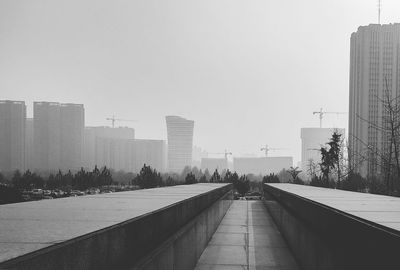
[184, 248]
[323, 238]
[172, 237]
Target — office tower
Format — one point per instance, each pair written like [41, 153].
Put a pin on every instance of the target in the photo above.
[111, 147]
[72, 117]
[312, 139]
[374, 76]
[12, 135]
[150, 152]
[29, 144]
[180, 142]
[261, 165]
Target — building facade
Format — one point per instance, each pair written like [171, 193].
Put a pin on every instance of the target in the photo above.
[374, 79]
[212, 164]
[58, 131]
[180, 142]
[261, 165]
[12, 135]
[111, 147]
[150, 152]
[29, 144]
[72, 136]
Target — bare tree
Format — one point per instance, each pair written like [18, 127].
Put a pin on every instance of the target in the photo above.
[384, 159]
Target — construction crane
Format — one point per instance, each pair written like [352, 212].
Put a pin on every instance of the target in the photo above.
[226, 153]
[321, 115]
[113, 119]
[266, 149]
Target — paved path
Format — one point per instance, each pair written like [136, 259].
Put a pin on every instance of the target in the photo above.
[247, 238]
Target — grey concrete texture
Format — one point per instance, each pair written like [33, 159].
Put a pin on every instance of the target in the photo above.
[183, 249]
[380, 209]
[247, 238]
[323, 237]
[98, 231]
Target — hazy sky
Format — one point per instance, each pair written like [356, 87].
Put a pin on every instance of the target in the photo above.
[249, 72]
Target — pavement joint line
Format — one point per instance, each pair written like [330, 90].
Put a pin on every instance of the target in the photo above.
[247, 236]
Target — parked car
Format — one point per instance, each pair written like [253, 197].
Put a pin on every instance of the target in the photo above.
[37, 193]
[75, 193]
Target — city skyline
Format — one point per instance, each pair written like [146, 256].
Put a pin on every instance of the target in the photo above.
[238, 70]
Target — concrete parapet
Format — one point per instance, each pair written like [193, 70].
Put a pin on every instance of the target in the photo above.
[322, 236]
[128, 242]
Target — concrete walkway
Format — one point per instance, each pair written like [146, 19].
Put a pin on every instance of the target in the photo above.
[247, 238]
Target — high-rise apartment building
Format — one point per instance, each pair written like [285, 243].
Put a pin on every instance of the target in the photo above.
[46, 135]
[180, 142]
[72, 117]
[374, 77]
[58, 131]
[12, 135]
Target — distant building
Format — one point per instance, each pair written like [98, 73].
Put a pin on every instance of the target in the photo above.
[374, 67]
[197, 155]
[29, 144]
[312, 139]
[57, 136]
[111, 147]
[180, 142]
[261, 165]
[211, 164]
[71, 136]
[150, 152]
[46, 135]
[12, 135]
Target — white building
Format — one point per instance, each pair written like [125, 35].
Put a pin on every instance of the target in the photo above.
[312, 139]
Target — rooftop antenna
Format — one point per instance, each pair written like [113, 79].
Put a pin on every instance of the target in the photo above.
[379, 11]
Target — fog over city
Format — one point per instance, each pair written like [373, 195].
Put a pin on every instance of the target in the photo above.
[249, 73]
[208, 134]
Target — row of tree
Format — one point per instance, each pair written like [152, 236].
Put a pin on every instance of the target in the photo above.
[81, 180]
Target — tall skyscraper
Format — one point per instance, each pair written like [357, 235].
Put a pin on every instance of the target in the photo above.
[374, 76]
[180, 142]
[12, 135]
[58, 131]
